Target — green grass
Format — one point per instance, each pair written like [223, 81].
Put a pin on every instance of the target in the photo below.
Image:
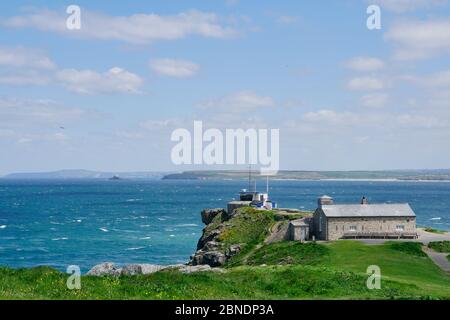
[403, 262]
[284, 253]
[412, 248]
[432, 230]
[405, 267]
[318, 271]
[284, 282]
[335, 270]
[247, 227]
[440, 246]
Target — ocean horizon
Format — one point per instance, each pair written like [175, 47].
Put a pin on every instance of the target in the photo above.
[59, 223]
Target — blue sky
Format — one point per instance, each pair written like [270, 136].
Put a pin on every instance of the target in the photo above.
[344, 97]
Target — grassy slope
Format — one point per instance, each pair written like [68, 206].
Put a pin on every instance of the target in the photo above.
[400, 262]
[286, 282]
[307, 271]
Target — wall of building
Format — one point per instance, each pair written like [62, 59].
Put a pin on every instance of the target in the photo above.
[298, 232]
[337, 227]
[320, 225]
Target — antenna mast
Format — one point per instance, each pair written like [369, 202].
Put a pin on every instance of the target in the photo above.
[249, 178]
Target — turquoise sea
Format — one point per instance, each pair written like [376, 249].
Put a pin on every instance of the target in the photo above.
[62, 223]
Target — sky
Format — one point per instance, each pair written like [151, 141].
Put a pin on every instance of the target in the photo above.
[108, 96]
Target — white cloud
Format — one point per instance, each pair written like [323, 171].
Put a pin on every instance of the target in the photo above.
[385, 121]
[158, 125]
[365, 64]
[239, 101]
[407, 5]
[416, 39]
[25, 112]
[23, 57]
[331, 117]
[421, 121]
[115, 80]
[24, 78]
[365, 84]
[435, 80]
[174, 68]
[375, 100]
[137, 28]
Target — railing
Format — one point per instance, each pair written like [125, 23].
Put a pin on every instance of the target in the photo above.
[380, 235]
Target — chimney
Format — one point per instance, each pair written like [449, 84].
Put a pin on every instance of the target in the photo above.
[324, 201]
[364, 200]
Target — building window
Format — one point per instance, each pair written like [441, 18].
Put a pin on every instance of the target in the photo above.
[400, 227]
[353, 228]
[336, 228]
[320, 223]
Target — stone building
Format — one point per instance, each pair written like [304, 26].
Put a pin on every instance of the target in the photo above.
[352, 221]
[299, 230]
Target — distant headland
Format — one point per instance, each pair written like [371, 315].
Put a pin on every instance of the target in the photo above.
[404, 175]
[400, 175]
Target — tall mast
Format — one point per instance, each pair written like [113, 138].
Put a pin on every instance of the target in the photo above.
[249, 178]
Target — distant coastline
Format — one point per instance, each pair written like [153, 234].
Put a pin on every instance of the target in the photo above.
[425, 175]
[384, 176]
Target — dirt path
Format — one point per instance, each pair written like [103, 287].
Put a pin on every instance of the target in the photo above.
[440, 259]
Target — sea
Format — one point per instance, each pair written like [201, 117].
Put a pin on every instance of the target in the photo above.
[87, 222]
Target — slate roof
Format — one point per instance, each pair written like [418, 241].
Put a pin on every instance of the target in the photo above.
[368, 210]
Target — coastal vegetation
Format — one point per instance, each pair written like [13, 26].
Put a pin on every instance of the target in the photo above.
[440, 246]
[260, 270]
[432, 230]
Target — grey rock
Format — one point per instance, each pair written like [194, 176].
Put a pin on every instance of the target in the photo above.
[105, 269]
[173, 267]
[141, 269]
[211, 246]
[233, 250]
[208, 215]
[214, 258]
[207, 238]
[192, 269]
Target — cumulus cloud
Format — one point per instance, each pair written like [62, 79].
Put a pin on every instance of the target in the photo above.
[365, 64]
[436, 80]
[365, 84]
[23, 78]
[354, 120]
[137, 28]
[376, 100]
[400, 6]
[23, 57]
[420, 39]
[115, 80]
[174, 68]
[25, 112]
[239, 101]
